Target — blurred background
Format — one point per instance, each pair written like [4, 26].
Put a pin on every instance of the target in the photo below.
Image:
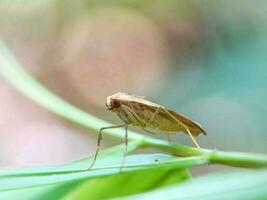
[204, 59]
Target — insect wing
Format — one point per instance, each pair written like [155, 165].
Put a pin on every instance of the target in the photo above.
[194, 127]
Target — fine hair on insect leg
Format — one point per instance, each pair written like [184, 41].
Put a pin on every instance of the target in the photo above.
[99, 141]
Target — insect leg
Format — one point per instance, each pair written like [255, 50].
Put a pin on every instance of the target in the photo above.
[135, 115]
[184, 126]
[192, 138]
[154, 115]
[99, 141]
[126, 147]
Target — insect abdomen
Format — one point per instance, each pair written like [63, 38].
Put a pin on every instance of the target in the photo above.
[166, 123]
[162, 124]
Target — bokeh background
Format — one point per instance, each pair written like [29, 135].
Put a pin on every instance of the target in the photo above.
[204, 59]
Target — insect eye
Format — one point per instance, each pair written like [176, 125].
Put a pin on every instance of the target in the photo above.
[115, 103]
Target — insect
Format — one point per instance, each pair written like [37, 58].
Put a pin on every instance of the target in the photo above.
[137, 111]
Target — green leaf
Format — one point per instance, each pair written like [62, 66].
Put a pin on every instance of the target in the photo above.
[141, 172]
[219, 186]
[133, 181]
[51, 192]
[127, 183]
[116, 152]
[54, 182]
[33, 177]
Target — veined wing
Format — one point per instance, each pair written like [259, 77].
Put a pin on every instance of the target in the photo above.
[193, 126]
[164, 120]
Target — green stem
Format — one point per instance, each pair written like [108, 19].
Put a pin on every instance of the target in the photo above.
[14, 74]
[235, 159]
[176, 149]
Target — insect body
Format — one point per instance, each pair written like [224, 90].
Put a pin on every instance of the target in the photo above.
[137, 111]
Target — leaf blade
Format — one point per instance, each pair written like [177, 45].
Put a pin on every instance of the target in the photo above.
[234, 185]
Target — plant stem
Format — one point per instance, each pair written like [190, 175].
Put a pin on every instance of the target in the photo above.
[14, 73]
[235, 159]
[176, 149]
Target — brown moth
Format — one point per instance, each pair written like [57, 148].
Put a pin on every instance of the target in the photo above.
[137, 111]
